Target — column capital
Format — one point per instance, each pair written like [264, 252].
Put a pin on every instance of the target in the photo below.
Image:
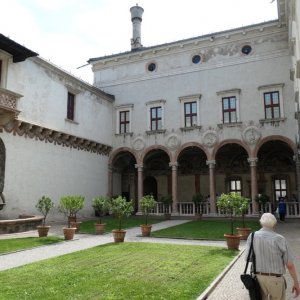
[211, 164]
[173, 165]
[252, 161]
[139, 167]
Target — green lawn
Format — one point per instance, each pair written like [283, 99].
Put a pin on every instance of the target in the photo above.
[113, 223]
[119, 271]
[12, 245]
[204, 229]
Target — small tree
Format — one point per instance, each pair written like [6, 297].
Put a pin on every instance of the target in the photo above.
[198, 199]
[121, 208]
[44, 205]
[101, 206]
[244, 205]
[70, 205]
[231, 203]
[147, 203]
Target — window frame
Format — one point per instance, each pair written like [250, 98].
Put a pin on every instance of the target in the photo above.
[229, 110]
[4, 58]
[71, 103]
[190, 99]
[233, 93]
[125, 123]
[123, 108]
[272, 106]
[155, 104]
[282, 192]
[265, 89]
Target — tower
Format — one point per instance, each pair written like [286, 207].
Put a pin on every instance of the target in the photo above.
[136, 19]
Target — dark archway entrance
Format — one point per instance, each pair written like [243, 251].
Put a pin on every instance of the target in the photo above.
[150, 186]
[2, 173]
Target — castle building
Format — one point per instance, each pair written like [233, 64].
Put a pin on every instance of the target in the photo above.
[210, 114]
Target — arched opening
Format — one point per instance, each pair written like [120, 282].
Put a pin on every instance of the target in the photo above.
[156, 167]
[233, 170]
[192, 174]
[125, 177]
[276, 171]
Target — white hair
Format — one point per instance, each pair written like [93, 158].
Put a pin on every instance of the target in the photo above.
[268, 220]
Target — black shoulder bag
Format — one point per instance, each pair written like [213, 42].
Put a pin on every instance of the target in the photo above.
[249, 280]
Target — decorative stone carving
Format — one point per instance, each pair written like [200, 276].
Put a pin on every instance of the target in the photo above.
[138, 144]
[173, 141]
[210, 138]
[251, 135]
[58, 138]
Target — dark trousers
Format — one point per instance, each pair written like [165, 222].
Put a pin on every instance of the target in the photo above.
[282, 217]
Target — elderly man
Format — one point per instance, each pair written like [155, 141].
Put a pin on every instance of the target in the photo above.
[272, 254]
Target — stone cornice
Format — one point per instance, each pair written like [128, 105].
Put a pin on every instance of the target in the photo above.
[37, 132]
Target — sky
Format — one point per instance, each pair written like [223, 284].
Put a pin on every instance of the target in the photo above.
[70, 32]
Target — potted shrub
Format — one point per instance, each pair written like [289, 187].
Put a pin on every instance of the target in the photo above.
[262, 199]
[198, 200]
[70, 205]
[244, 231]
[147, 203]
[120, 208]
[167, 201]
[101, 206]
[44, 205]
[231, 203]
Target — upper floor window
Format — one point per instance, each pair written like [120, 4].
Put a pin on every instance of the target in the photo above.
[190, 111]
[124, 121]
[155, 115]
[71, 106]
[156, 118]
[271, 103]
[229, 109]
[190, 114]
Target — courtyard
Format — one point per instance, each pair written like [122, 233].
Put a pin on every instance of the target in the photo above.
[84, 269]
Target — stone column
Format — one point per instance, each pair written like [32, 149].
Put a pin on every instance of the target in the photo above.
[174, 166]
[212, 185]
[297, 163]
[110, 181]
[140, 183]
[253, 161]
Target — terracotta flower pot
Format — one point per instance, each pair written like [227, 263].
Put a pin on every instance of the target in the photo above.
[167, 216]
[43, 230]
[99, 228]
[146, 229]
[243, 232]
[198, 216]
[69, 233]
[233, 241]
[119, 235]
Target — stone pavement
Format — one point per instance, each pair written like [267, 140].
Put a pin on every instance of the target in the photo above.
[226, 286]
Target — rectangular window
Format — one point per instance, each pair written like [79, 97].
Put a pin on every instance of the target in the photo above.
[280, 188]
[272, 105]
[229, 110]
[190, 114]
[156, 118]
[71, 106]
[124, 121]
[235, 186]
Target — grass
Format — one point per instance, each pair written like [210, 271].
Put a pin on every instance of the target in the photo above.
[119, 271]
[12, 245]
[113, 223]
[204, 229]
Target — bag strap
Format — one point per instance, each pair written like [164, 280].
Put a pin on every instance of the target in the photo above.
[249, 254]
